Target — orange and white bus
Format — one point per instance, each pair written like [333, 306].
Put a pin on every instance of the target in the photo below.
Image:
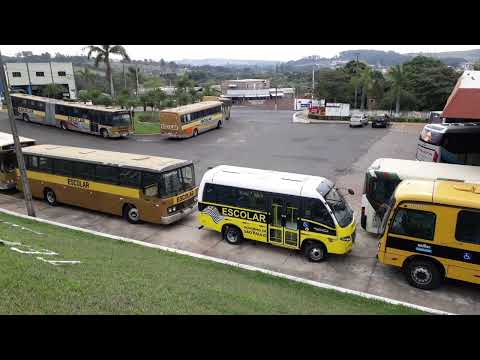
[191, 120]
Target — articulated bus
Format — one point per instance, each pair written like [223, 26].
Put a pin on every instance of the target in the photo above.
[299, 212]
[98, 120]
[190, 120]
[8, 159]
[138, 187]
[226, 104]
[454, 143]
[384, 175]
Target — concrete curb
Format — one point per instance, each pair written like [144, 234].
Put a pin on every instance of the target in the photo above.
[238, 265]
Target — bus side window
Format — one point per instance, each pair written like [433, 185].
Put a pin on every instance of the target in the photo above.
[315, 210]
[107, 174]
[414, 223]
[45, 164]
[468, 227]
[209, 193]
[62, 167]
[227, 195]
[33, 162]
[129, 177]
[83, 171]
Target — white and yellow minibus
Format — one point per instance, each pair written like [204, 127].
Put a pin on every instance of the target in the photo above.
[294, 211]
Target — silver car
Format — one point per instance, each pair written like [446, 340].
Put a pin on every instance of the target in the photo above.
[358, 120]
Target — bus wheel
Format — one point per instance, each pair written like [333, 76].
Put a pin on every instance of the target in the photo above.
[63, 125]
[131, 213]
[195, 133]
[423, 274]
[25, 118]
[104, 133]
[50, 197]
[315, 251]
[232, 235]
[219, 125]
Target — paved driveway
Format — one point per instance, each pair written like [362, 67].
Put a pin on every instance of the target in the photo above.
[267, 139]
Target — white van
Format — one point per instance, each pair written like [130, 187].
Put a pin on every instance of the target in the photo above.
[358, 120]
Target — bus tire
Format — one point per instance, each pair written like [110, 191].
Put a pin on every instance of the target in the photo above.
[63, 125]
[232, 235]
[219, 124]
[315, 251]
[50, 197]
[25, 118]
[131, 214]
[104, 133]
[423, 274]
[195, 132]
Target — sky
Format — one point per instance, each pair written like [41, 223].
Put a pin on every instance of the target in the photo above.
[237, 52]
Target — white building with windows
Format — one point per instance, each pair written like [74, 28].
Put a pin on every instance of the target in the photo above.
[33, 77]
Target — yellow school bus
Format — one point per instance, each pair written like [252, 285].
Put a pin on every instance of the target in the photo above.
[431, 230]
[8, 159]
[191, 120]
[138, 187]
[98, 120]
[294, 211]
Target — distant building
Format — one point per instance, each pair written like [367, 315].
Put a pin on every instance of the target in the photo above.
[33, 77]
[253, 90]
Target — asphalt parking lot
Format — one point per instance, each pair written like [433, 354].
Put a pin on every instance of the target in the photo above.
[268, 140]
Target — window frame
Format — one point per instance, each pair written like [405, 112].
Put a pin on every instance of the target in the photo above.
[457, 227]
[61, 73]
[40, 73]
[312, 218]
[412, 210]
[16, 74]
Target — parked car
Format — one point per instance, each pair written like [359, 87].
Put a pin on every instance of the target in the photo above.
[358, 120]
[381, 121]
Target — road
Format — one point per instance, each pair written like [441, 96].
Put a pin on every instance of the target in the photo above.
[269, 140]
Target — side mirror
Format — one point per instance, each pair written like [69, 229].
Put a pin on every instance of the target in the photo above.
[351, 192]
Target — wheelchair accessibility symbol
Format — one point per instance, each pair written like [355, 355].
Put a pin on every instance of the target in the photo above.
[467, 256]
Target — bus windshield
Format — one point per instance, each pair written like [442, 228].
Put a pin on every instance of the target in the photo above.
[177, 181]
[343, 212]
[122, 119]
[9, 163]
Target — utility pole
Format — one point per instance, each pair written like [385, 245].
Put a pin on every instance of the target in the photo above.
[276, 93]
[356, 85]
[313, 82]
[124, 77]
[18, 148]
[136, 77]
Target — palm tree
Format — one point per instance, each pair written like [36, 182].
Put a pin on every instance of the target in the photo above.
[52, 90]
[86, 75]
[398, 81]
[102, 54]
[366, 78]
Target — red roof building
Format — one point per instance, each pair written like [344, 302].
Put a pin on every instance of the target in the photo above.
[464, 101]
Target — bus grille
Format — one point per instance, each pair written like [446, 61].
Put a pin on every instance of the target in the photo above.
[186, 203]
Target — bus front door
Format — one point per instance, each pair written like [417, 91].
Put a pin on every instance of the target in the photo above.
[283, 222]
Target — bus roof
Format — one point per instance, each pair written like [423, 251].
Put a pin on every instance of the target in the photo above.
[6, 141]
[186, 109]
[457, 128]
[134, 161]
[440, 192]
[67, 103]
[414, 169]
[269, 181]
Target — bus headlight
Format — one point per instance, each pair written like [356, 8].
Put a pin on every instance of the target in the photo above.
[346, 238]
[171, 209]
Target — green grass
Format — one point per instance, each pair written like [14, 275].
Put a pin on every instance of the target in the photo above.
[116, 277]
[146, 127]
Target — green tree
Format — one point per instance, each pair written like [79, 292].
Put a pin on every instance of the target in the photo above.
[429, 81]
[366, 79]
[103, 54]
[103, 99]
[476, 66]
[355, 82]
[53, 91]
[398, 84]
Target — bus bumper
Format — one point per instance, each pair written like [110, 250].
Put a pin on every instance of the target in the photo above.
[165, 220]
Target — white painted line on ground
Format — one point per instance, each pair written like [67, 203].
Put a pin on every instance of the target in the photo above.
[239, 265]
[34, 252]
[58, 262]
[5, 242]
